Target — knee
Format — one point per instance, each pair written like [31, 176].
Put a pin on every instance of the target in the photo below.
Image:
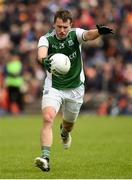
[48, 118]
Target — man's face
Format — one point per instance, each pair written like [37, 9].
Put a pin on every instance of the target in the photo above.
[62, 28]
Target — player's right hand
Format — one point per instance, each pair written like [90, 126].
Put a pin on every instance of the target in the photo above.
[47, 63]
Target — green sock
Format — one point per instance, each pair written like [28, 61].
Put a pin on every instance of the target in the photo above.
[64, 133]
[45, 151]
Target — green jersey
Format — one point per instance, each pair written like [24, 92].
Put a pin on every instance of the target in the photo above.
[70, 46]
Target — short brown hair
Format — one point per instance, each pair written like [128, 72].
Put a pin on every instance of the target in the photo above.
[63, 14]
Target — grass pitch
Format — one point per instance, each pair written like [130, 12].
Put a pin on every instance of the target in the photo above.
[101, 148]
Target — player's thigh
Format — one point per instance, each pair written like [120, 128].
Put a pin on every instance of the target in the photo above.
[71, 106]
[51, 98]
[71, 110]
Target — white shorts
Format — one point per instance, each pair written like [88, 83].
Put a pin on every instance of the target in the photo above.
[69, 101]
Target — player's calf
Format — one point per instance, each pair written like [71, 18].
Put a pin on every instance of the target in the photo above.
[65, 137]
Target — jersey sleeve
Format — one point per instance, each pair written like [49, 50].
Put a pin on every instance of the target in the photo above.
[79, 34]
[43, 42]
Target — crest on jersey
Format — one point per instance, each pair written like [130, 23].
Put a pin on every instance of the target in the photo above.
[70, 42]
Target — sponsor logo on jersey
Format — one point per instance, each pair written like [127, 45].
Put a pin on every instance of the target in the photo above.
[73, 55]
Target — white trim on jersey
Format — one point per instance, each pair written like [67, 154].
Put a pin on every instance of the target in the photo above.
[79, 34]
[43, 42]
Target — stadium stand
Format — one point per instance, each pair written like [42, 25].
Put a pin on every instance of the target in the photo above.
[107, 61]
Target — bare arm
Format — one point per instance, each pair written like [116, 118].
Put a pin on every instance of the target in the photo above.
[43, 58]
[42, 53]
[91, 34]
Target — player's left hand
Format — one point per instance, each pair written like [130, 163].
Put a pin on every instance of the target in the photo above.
[104, 30]
[47, 62]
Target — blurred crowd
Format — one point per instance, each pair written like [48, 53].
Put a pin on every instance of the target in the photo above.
[107, 60]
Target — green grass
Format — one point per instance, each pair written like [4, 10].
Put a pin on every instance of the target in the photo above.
[101, 148]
